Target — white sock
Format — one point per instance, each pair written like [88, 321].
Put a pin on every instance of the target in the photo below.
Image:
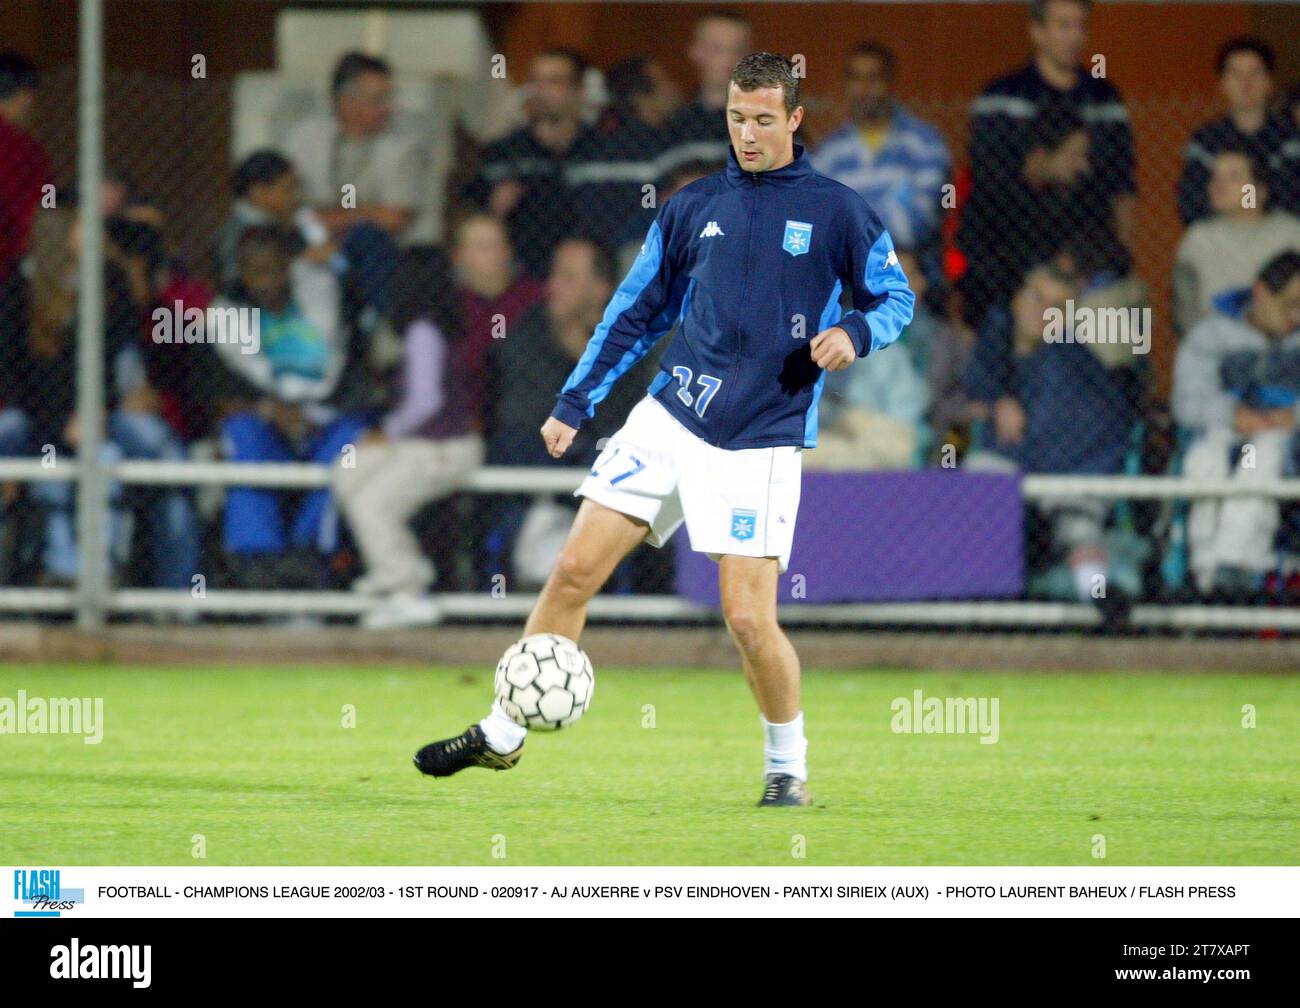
[785, 750]
[1086, 575]
[503, 735]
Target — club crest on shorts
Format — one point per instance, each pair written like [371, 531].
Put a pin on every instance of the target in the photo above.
[742, 523]
[798, 236]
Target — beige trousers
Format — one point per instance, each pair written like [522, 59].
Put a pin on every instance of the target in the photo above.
[390, 481]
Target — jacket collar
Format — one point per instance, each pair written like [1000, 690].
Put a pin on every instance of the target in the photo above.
[792, 174]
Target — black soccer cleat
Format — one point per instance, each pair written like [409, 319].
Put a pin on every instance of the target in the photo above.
[450, 756]
[782, 789]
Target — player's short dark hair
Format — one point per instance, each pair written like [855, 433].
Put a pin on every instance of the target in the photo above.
[603, 263]
[1245, 43]
[270, 237]
[352, 65]
[259, 168]
[1038, 8]
[1280, 270]
[1053, 125]
[880, 51]
[17, 73]
[577, 62]
[765, 70]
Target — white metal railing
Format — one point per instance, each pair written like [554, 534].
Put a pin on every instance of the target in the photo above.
[501, 479]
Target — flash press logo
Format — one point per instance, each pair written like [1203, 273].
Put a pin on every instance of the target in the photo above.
[41, 891]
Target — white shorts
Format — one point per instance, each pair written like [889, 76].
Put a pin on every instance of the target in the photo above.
[742, 501]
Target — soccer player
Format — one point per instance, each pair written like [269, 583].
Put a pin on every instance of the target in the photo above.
[749, 264]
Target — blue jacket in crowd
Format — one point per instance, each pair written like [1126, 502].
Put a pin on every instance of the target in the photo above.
[749, 267]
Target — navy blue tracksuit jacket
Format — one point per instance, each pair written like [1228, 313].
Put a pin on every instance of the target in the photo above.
[753, 266]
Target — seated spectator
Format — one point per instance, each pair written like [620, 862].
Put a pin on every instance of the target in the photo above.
[285, 402]
[267, 190]
[699, 128]
[1107, 282]
[523, 175]
[1035, 212]
[530, 366]
[628, 245]
[424, 448]
[38, 365]
[1003, 121]
[894, 160]
[1237, 386]
[362, 177]
[1245, 67]
[615, 163]
[1054, 407]
[25, 167]
[494, 296]
[1222, 254]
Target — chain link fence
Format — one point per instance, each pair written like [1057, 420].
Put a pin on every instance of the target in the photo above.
[374, 276]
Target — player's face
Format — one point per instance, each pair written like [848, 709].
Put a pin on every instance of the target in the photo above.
[761, 131]
[1063, 33]
[1246, 81]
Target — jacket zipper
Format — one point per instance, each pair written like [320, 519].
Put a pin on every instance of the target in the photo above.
[749, 271]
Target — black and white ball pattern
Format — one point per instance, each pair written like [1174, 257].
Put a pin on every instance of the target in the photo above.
[545, 682]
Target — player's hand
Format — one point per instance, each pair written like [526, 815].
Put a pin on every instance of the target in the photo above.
[832, 349]
[558, 436]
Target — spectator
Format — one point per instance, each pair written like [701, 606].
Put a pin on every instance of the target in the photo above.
[616, 173]
[1003, 126]
[494, 297]
[267, 190]
[363, 177]
[426, 445]
[895, 161]
[699, 128]
[1038, 210]
[285, 401]
[1220, 256]
[1054, 407]
[25, 168]
[1237, 382]
[1245, 67]
[683, 175]
[529, 366]
[522, 178]
[38, 365]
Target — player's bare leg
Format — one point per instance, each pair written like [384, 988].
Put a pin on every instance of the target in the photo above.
[598, 541]
[748, 589]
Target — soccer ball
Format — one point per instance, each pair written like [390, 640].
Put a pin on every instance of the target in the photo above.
[544, 682]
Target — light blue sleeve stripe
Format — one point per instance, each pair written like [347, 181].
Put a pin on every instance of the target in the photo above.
[888, 318]
[642, 274]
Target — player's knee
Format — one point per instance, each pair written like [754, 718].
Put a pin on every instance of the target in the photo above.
[749, 630]
[573, 575]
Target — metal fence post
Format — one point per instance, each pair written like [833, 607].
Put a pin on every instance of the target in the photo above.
[92, 484]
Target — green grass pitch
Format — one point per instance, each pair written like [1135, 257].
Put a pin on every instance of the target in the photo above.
[258, 761]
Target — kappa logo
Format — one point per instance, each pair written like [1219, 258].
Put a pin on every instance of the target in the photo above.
[890, 260]
[711, 230]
